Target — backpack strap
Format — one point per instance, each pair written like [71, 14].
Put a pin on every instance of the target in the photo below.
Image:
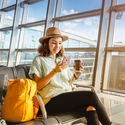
[35, 106]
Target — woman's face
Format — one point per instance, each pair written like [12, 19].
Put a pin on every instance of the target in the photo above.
[55, 45]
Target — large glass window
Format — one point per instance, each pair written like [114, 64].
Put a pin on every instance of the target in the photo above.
[87, 58]
[27, 57]
[3, 57]
[5, 39]
[121, 2]
[10, 2]
[117, 72]
[21, 15]
[32, 35]
[119, 31]
[73, 6]
[81, 32]
[7, 19]
[0, 4]
[115, 66]
[37, 11]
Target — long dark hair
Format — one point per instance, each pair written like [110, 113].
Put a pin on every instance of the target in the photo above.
[44, 49]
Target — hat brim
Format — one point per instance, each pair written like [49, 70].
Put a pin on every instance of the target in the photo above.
[64, 38]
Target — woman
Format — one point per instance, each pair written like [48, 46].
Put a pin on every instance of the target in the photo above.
[54, 80]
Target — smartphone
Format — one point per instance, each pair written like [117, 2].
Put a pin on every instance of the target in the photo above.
[66, 59]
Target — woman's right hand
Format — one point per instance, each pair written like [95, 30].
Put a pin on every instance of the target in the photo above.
[60, 66]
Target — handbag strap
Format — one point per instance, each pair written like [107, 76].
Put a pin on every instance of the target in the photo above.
[35, 106]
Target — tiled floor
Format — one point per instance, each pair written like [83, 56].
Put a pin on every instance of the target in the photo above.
[115, 107]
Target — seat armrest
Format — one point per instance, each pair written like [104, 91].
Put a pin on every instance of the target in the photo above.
[84, 86]
[42, 106]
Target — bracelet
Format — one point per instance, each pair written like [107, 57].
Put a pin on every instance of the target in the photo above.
[55, 72]
[75, 76]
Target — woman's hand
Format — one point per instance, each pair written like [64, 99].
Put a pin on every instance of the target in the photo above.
[60, 66]
[79, 72]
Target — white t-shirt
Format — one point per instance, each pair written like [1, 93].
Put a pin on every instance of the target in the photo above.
[41, 66]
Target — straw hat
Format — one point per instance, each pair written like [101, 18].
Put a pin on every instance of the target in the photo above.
[52, 32]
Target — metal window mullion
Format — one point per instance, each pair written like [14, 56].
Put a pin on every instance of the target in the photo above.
[78, 15]
[57, 11]
[116, 49]
[80, 49]
[9, 8]
[32, 24]
[22, 32]
[118, 8]
[97, 72]
[14, 34]
[66, 49]
[109, 41]
[4, 49]
[49, 14]
[31, 1]
[6, 28]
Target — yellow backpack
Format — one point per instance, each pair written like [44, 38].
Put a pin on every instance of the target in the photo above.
[20, 103]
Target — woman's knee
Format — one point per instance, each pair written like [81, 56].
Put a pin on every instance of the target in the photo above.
[90, 108]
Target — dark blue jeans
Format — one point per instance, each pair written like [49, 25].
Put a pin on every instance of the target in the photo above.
[80, 100]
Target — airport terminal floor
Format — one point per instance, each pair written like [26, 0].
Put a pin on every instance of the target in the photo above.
[115, 107]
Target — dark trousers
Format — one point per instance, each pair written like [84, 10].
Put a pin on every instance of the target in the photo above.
[78, 100]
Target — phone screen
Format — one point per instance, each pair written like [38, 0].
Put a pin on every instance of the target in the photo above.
[66, 59]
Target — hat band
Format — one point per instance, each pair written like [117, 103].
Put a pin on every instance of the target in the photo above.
[53, 34]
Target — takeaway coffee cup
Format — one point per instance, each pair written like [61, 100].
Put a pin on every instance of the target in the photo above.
[77, 64]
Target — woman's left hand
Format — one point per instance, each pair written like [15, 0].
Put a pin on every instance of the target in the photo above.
[79, 72]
